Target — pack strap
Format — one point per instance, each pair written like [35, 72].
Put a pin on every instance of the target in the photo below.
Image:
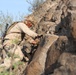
[14, 32]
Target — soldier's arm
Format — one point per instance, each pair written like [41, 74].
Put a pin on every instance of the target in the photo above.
[26, 30]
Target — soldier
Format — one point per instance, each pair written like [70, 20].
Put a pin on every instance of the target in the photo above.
[15, 34]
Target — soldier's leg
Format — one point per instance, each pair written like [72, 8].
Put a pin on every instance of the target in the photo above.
[14, 54]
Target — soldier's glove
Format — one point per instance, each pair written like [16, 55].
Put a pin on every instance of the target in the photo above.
[36, 40]
[39, 36]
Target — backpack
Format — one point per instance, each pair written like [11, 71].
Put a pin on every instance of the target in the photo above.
[9, 28]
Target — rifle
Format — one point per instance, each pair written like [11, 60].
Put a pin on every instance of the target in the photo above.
[4, 34]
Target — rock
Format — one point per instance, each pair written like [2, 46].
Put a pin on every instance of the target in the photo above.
[53, 54]
[36, 16]
[73, 29]
[72, 4]
[62, 71]
[72, 17]
[46, 27]
[57, 16]
[37, 65]
[68, 60]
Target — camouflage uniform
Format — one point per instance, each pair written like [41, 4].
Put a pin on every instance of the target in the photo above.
[14, 37]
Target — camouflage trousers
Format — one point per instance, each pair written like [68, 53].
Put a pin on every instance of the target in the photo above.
[12, 55]
[13, 51]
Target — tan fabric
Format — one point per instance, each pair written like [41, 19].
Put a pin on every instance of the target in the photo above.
[17, 56]
[13, 37]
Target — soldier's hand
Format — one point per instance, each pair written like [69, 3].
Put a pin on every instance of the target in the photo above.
[35, 42]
